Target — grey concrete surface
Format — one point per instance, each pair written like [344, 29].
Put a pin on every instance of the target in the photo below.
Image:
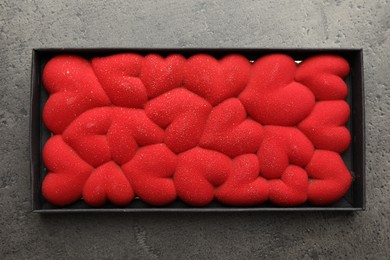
[28, 24]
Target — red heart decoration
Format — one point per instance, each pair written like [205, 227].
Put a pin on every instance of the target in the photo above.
[329, 178]
[182, 114]
[198, 173]
[153, 167]
[229, 131]
[119, 76]
[216, 80]
[281, 147]
[244, 186]
[160, 75]
[131, 128]
[107, 182]
[291, 188]
[324, 76]
[67, 173]
[325, 126]
[272, 97]
[73, 89]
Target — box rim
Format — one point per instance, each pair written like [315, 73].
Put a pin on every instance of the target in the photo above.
[363, 143]
[195, 210]
[194, 48]
[33, 89]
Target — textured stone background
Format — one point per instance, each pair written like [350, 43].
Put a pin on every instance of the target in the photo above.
[28, 24]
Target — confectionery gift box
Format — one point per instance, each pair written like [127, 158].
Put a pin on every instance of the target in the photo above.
[189, 130]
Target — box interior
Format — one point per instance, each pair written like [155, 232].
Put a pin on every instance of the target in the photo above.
[354, 157]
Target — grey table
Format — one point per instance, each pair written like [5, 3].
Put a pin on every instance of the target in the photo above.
[28, 24]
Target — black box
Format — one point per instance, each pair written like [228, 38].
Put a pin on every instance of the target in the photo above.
[354, 157]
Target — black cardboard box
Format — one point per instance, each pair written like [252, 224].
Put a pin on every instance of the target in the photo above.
[354, 157]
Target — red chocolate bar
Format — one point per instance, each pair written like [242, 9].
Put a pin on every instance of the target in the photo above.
[196, 129]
